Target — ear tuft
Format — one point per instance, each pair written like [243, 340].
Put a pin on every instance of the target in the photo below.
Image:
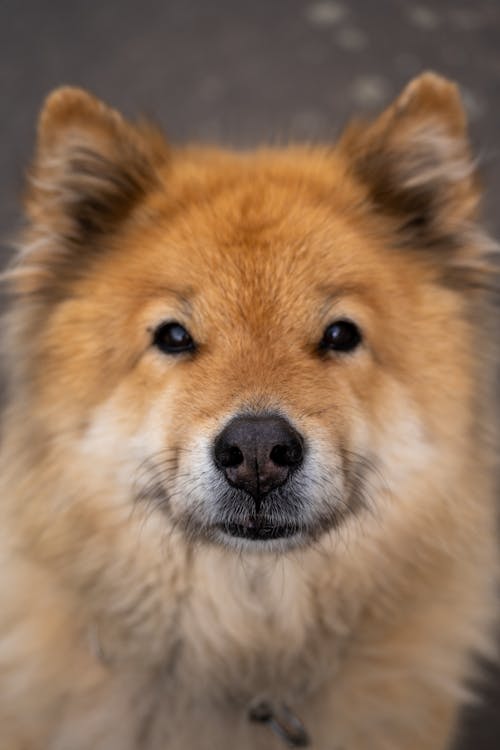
[415, 163]
[68, 107]
[91, 165]
[436, 97]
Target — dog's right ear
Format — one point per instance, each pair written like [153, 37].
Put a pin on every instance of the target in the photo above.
[91, 166]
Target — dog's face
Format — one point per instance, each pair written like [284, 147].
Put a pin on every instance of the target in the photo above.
[256, 347]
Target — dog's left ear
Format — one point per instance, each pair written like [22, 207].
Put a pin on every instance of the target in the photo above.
[414, 161]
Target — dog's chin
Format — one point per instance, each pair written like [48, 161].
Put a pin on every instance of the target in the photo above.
[261, 535]
[257, 530]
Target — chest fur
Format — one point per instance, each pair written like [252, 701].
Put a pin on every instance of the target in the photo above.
[256, 627]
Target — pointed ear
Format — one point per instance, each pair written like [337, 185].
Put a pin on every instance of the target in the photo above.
[415, 163]
[91, 166]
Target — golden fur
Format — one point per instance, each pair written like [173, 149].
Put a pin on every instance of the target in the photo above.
[121, 626]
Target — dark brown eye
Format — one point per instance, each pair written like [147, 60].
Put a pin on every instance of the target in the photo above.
[172, 338]
[341, 336]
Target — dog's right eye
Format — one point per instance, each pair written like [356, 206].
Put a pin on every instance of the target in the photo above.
[341, 336]
[172, 338]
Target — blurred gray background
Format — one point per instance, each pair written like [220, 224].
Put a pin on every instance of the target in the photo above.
[244, 72]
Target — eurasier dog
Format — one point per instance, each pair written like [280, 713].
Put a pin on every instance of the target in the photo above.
[247, 465]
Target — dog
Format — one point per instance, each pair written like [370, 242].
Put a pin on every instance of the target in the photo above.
[247, 464]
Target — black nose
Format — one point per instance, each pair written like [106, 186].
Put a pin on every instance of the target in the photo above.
[258, 453]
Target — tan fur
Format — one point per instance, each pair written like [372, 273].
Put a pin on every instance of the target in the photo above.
[120, 628]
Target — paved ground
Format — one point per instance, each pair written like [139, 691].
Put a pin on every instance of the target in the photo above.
[242, 72]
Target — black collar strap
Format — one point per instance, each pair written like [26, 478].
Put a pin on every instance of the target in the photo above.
[282, 721]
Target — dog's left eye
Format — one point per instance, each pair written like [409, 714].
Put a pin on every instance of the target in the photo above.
[172, 338]
[341, 336]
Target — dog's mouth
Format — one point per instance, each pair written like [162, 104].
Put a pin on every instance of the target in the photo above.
[283, 522]
[259, 530]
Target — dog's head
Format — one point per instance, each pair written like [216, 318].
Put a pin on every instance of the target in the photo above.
[256, 346]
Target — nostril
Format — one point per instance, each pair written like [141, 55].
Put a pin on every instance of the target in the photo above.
[287, 455]
[230, 457]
